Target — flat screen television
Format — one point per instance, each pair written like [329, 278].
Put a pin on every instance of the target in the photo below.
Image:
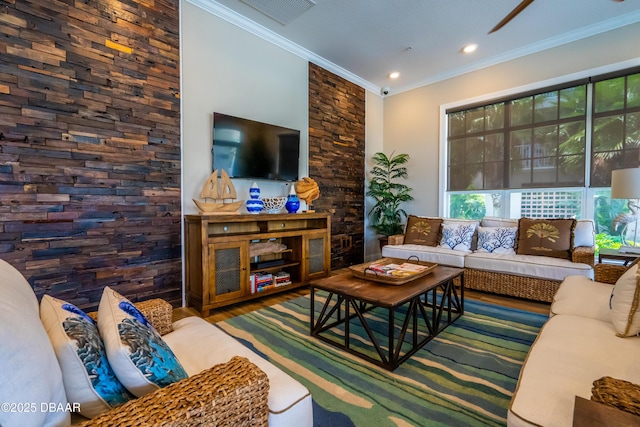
[249, 149]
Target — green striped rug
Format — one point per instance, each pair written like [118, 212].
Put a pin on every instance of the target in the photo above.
[464, 376]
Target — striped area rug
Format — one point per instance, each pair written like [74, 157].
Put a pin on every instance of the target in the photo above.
[463, 377]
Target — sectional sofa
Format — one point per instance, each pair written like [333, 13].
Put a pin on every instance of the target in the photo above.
[497, 254]
[590, 339]
[51, 368]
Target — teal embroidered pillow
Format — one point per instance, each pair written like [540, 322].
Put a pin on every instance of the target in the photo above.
[87, 376]
[139, 356]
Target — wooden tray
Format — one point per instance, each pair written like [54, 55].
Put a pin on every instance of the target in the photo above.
[362, 271]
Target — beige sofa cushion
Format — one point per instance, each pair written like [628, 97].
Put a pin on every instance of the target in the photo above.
[493, 221]
[289, 401]
[436, 254]
[585, 233]
[527, 265]
[569, 354]
[29, 370]
[581, 296]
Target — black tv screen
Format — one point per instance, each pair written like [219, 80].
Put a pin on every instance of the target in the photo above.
[249, 149]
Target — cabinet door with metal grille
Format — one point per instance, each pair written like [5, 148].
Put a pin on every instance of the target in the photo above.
[228, 275]
[317, 257]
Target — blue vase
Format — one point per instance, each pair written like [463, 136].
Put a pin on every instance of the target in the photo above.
[254, 191]
[293, 204]
[254, 204]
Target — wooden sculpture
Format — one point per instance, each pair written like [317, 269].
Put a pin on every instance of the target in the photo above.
[308, 191]
[218, 197]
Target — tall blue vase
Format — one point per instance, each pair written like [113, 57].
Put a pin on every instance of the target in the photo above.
[293, 203]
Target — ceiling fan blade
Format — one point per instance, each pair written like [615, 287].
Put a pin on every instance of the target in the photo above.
[519, 8]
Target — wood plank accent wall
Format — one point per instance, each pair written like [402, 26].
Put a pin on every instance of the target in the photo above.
[90, 147]
[336, 160]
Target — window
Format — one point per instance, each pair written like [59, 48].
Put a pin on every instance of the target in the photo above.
[616, 127]
[546, 153]
[529, 142]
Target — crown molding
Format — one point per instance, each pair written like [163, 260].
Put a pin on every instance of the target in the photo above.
[572, 36]
[238, 20]
[241, 21]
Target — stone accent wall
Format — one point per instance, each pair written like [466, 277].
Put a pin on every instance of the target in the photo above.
[90, 147]
[336, 160]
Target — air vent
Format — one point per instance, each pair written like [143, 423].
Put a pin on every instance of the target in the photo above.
[283, 11]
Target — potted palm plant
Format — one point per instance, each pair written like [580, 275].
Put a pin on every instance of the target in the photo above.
[386, 214]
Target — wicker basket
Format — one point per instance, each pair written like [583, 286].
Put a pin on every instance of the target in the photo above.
[608, 273]
[620, 394]
[362, 271]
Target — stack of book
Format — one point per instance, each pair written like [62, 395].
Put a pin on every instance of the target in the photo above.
[281, 278]
[261, 281]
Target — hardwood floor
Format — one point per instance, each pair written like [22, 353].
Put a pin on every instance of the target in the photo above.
[225, 313]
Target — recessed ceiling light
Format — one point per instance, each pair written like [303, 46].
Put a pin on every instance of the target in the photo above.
[394, 75]
[470, 48]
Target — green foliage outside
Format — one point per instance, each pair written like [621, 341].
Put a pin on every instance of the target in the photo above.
[386, 214]
[605, 241]
[467, 206]
[606, 210]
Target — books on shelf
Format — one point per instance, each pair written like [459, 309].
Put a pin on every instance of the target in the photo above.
[282, 278]
[258, 281]
[262, 281]
[399, 270]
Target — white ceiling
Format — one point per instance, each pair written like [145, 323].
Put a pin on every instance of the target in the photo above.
[364, 40]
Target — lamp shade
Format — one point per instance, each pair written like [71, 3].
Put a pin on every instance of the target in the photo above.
[625, 184]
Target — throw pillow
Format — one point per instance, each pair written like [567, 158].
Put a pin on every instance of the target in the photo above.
[458, 235]
[87, 376]
[500, 240]
[625, 302]
[140, 358]
[422, 231]
[545, 237]
[494, 221]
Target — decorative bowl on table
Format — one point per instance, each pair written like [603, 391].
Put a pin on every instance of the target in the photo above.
[274, 204]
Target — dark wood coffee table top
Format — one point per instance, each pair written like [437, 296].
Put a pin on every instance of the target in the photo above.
[587, 413]
[383, 295]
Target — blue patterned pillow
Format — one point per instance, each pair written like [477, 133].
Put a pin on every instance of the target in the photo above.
[458, 235]
[140, 358]
[87, 376]
[500, 240]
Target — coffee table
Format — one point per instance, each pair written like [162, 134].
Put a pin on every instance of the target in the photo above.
[396, 320]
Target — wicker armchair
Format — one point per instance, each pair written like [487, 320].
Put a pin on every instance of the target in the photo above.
[229, 394]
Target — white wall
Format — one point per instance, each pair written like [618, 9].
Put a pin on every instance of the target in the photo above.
[412, 119]
[374, 117]
[229, 70]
